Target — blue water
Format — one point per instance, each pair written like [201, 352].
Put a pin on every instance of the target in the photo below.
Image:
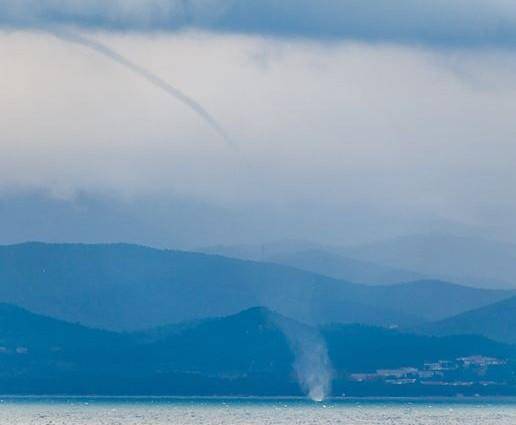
[251, 411]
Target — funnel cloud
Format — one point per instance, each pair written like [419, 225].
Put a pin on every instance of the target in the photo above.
[147, 75]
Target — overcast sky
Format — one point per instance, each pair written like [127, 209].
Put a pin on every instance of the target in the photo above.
[354, 120]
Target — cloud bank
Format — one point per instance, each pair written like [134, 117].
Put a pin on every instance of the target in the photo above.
[339, 142]
[438, 22]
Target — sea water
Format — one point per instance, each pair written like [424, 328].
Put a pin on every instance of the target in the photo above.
[220, 411]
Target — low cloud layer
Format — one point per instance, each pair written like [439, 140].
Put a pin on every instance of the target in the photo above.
[438, 22]
[339, 142]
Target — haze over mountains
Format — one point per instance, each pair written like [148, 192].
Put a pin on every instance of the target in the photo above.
[318, 259]
[128, 287]
[468, 261]
[132, 287]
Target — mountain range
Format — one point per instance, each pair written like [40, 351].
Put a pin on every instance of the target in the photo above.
[495, 321]
[129, 287]
[252, 352]
[318, 259]
[466, 260]
[120, 318]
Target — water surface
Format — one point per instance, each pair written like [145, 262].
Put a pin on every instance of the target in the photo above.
[220, 411]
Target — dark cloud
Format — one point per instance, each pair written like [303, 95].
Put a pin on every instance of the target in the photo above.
[443, 22]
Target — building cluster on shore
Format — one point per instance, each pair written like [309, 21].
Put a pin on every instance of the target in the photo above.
[456, 372]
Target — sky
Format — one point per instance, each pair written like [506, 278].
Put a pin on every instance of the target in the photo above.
[352, 121]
